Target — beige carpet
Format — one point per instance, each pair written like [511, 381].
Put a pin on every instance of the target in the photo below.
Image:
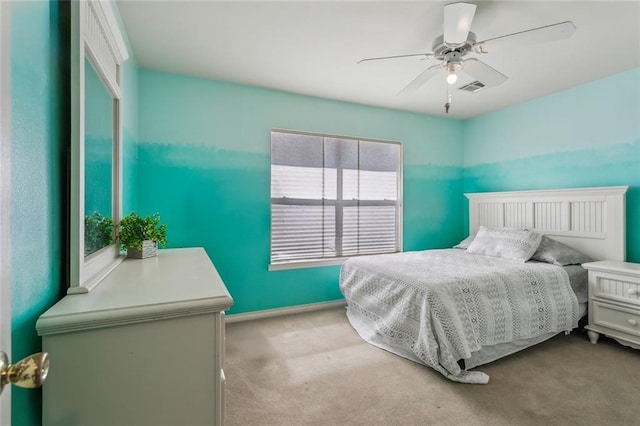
[314, 369]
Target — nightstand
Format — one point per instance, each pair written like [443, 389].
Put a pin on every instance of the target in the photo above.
[614, 301]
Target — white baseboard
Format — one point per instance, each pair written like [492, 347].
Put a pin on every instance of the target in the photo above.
[269, 313]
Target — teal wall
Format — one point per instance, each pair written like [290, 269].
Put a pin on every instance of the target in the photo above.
[204, 164]
[36, 183]
[129, 127]
[582, 137]
[40, 128]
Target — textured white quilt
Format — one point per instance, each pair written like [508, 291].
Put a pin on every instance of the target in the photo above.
[438, 306]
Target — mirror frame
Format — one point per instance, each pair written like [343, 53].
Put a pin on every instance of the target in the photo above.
[95, 35]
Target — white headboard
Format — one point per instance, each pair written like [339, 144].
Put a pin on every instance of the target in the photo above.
[591, 220]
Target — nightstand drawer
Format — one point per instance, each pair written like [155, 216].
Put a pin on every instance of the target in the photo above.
[616, 287]
[616, 318]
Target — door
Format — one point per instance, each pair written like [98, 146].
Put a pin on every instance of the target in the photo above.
[5, 205]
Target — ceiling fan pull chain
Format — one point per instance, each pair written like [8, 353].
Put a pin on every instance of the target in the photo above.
[447, 104]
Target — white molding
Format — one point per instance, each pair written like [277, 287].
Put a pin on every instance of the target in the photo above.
[400, 202]
[103, 41]
[5, 198]
[66, 323]
[115, 37]
[620, 268]
[562, 193]
[307, 263]
[271, 313]
[598, 227]
[76, 192]
[95, 268]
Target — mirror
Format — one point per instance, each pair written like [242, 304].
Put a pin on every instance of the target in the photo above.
[97, 54]
[98, 162]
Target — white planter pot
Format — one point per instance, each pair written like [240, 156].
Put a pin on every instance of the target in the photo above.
[149, 249]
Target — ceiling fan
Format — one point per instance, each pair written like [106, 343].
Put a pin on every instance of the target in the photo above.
[452, 47]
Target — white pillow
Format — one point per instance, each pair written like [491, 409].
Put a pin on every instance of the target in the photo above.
[510, 243]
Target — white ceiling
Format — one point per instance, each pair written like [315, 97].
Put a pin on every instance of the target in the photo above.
[312, 48]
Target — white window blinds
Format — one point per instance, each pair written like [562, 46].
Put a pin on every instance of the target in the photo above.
[333, 197]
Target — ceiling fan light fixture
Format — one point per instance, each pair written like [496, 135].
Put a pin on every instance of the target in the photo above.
[452, 77]
[452, 67]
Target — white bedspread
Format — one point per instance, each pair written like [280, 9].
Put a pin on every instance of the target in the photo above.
[438, 306]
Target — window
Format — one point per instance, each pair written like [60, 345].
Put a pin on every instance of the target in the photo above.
[333, 197]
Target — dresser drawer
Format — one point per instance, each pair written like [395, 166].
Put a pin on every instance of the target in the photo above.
[616, 287]
[616, 318]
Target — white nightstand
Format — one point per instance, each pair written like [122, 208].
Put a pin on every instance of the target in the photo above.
[614, 301]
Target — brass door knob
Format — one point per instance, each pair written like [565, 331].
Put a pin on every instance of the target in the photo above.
[30, 372]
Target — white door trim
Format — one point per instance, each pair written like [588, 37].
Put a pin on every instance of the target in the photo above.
[5, 198]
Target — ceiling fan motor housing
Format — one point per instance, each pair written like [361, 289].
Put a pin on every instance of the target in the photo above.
[452, 61]
[441, 49]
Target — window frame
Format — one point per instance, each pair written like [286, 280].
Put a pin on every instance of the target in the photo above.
[332, 261]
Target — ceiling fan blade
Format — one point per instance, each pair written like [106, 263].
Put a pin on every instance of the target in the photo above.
[420, 56]
[483, 72]
[457, 22]
[421, 79]
[554, 32]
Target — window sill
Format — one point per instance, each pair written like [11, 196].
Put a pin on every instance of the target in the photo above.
[300, 264]
[314, 263]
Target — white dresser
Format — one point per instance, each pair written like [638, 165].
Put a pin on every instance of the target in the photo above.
[145, 347]
[614, 301]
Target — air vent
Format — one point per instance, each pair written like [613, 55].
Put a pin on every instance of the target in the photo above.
[474, 86]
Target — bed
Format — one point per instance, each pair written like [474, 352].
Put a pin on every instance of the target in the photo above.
[455, 309]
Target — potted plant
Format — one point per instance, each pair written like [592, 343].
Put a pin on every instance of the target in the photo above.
[98, 232]
[140, 236]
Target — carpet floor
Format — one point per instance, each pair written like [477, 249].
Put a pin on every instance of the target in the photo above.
[314, 369]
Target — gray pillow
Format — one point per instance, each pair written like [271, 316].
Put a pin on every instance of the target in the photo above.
[509, 243]
[555, 252]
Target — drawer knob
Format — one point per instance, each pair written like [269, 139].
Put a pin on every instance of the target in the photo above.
[632, 322]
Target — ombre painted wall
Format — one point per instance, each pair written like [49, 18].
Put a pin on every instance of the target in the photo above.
[583, 137]
[204, 165]
[129, 127]
[37, 152]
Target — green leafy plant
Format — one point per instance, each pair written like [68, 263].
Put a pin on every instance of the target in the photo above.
[133, 230]
[98, 232]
